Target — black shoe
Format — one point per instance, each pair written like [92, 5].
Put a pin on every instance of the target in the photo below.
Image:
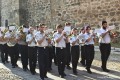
[42, 78]
[64, 74]
[3, 62]
[45, 77]
[32, 73]
[106, 70]
[16, 65]
[56, 64]
[27, 68]
[13, 66]
[89, 71]
[68, 67]
[75, 73]
[49, 69]
[7, 61]
[83, 64]
[24, 69]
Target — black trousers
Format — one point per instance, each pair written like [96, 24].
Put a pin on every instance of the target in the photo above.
[32, 55]
[83, 60]
[3, 54]
[50, 57]
[61, 59]
[6, 52]
[105, 50]
[68, 54]
[13, 55]
[43, 61]
[23, 49]
[54, 55]
[89, 55]
[75, 52]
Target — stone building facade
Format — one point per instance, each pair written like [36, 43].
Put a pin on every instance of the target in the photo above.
[51, 12]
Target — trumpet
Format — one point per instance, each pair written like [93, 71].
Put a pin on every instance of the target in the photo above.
[113, 34]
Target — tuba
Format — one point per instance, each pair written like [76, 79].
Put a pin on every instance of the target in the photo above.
[12, 37]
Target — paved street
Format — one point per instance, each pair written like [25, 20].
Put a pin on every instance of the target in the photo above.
[8, 73]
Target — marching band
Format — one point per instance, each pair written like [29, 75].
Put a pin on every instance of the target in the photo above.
[61, 45]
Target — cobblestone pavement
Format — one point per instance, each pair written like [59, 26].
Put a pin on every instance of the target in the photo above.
[8, 73]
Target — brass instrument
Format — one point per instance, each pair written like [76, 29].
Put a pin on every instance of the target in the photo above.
[22, 35]
[3, 34]
[12, 38]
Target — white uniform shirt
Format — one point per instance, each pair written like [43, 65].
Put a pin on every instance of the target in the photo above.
[39, 36]
[106, 38]
[72, 39]
[21, 42]
[81, 39]
[29, 37]
[62, 42]
[87, 36]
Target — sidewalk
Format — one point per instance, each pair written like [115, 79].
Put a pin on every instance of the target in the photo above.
[9, 73]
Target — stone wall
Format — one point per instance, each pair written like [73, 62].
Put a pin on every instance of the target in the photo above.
[51, 12]
[10, 12]
[82, 12]
[34, 12]
[0, 12]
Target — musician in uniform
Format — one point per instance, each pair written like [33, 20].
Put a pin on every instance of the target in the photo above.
[105, 46]
[51, 52]
[54, 51]
[42, 44]
[75, 51]
[32, 50]
[68, 54]
[60, 45]
[83, 60]
[23, 49]
[10, 36]
[89, 48]
[2, 47]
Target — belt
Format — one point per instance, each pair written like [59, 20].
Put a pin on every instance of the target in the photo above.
[104, 43]
[75, 46]
[43, 47]
[31, 46]
[89, 45]
[60, 47]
